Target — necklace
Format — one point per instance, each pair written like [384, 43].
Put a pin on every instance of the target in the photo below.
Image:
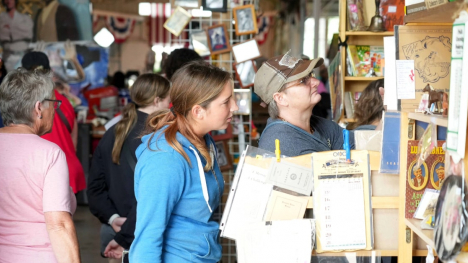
[311, 129]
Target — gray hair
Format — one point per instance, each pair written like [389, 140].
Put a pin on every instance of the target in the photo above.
[273, 109]
[19, 92]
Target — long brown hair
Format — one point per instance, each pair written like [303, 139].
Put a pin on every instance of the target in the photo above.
[146, 88]
[369, 106]
[196, 83]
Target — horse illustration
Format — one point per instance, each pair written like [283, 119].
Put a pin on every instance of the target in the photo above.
[434, 97]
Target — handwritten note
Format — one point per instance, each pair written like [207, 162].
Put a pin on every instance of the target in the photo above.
[342, 214]
[406, 82]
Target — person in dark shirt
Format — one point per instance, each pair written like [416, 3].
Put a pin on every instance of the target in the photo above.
[110, 185]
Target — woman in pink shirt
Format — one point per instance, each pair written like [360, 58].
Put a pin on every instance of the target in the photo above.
[36, 202]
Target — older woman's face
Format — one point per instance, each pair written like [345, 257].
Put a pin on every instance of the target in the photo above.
[303, 93]
[48, 112]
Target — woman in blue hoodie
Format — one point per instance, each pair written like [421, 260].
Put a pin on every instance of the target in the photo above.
[178, 183]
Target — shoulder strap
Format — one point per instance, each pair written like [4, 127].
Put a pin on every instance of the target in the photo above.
[64, 119]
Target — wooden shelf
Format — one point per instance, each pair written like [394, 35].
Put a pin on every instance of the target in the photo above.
[437, 119]
[368, 33]
[440, 14]
[349, 78]
[426, 235]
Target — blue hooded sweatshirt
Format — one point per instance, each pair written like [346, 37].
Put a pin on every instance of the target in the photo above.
[176, 201]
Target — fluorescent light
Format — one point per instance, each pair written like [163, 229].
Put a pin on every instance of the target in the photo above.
[201, 13]
[104, 38]
[144, 9]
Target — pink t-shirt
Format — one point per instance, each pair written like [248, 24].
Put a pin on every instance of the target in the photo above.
[33, 180]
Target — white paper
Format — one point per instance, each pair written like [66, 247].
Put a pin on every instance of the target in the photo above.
[246, 51]
[291, 176]
[406, 82]
[277, 242]
[392, 9]
[390, 98]
[338, 197]
[112, 122]
[252, 195]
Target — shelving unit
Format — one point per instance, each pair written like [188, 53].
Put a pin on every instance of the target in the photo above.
[356, 84]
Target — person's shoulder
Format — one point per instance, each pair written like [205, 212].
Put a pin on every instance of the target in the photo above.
[323, 123]
[43, 144]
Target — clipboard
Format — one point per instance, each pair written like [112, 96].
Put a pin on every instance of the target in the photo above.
[333, 177]
[250, 192]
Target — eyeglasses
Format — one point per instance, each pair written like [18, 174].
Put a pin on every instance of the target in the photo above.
[57, 103]
[302, 81]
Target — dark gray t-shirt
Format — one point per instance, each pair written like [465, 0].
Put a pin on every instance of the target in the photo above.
[294, 141]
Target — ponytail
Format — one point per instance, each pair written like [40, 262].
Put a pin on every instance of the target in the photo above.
[122, 128]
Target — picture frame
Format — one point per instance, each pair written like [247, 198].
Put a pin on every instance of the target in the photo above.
[247, 50]
[215, 5]
[178, 21]
[218, 40]
[224, 159]
[220, 135]
[245, 73]
[200, 44]
[245, 20]
[243, 98]
[188, 4]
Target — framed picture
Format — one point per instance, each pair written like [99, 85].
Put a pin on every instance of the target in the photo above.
[215, 5]
[200, 43]
[245, 73]
[189, 4]
[247, 50]
[218, 39]
[177, 21]
[223, 156]
[220, 135]
[246, 20]
[243, 99]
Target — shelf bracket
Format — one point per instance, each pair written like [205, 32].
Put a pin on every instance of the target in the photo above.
[408, 235]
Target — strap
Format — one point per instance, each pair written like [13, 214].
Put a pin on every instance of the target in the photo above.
[64, 119]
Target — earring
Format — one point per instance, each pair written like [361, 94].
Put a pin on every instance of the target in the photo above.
[40, 117]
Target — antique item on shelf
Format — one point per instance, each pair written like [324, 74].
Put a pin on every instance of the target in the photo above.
[246, 20]
[445, 104]
[450, 218]
[218, 40]
[356, 15]
[435, 97]
[377, 23]
[392, 12]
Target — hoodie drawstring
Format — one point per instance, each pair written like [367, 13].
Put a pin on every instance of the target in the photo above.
[202, 179]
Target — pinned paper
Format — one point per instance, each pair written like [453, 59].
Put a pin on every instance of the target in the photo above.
[291, 176]
[406, 79]
[285, 207]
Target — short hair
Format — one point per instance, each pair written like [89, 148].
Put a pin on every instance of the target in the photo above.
[177, 59]
[19, 92]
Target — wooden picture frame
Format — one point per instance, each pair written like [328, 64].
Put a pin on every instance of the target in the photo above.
[245, 73]
[218, 40]
[187, 4]
[224, 159]
[215, 5]
[220, 135]
[246, 20]
[178, 21]
[247, 50]
[243, 98]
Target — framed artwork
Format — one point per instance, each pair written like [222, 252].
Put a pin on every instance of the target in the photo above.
[247, 50]
[418, 179]
[246, 20]
[243, 99]
[200, 43]
[218, 40]
[223, 156]
[189, 4]
[220, 135]
[245, 73]
[177, 21]
[438, 173]
[215, 5]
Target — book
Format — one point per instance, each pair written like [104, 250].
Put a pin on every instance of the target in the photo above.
[392, 12]
[357, 95]
[376, 59]
[411, 9]
[427, 205]
[430, 175]
[390, 160]
[365, 61]
[349, 105]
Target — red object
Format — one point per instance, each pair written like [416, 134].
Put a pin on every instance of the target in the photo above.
[392, 11]
[62, 137]
[94, 97]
